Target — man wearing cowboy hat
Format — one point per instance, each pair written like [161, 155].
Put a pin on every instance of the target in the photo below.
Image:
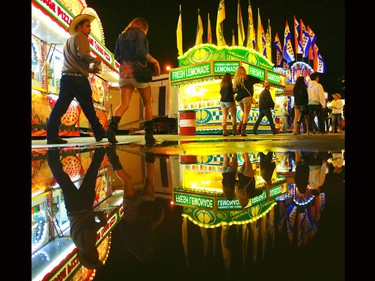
[74, 81]
[336, 106]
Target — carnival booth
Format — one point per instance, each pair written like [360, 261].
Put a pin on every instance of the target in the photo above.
[50, 22]
[198, 81]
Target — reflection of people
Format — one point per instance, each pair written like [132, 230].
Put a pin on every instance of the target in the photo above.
[300, 106]
[131, 46]
[317, 162]
[229, 173]
[266, 103]
[246, 184]
[301, 174]
[267, 166]
[336, 162]
[317, 102]
[74, 82]
[227, 103]
[244, 87]
[142, 213]
[79, 205]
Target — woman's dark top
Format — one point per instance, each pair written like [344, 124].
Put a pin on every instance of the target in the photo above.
[227, 94]
[131, 45]
[300, 96]
[249, 84]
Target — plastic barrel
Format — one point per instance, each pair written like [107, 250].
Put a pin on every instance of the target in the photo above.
[188, 123]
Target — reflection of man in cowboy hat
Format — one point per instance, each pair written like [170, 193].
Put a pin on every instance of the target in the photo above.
[74, 82]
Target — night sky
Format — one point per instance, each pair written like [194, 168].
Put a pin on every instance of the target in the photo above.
[325, 17]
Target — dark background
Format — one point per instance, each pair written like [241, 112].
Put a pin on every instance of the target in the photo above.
[325, 17]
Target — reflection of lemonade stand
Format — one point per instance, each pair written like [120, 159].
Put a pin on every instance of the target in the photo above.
[198, 80]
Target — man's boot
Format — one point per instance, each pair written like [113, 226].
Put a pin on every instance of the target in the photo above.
[225, 132]
[112, 129]
[149, 138]
[243, 130]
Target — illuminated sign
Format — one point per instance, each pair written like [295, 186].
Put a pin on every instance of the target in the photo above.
[196, 71]
[275, 191]
[276, 78]
[222, 67]
[194, 201]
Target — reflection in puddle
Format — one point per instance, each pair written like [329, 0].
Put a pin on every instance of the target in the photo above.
[227, 214]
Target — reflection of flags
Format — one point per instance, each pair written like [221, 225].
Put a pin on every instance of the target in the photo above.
[241, 29]
[179, 35]
[268, 42]
[288, 48]
[279, 50]
[312, 42]
[209, 32]
[199, 35]
[319, 63]
[305, 40]
[297, 42]
[251, 44]
[219, 24]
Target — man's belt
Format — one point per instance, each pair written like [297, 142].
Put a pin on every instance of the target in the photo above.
[76, 74]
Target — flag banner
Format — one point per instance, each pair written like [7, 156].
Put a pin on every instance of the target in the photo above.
[279, 50]
[304, 39]
[233, 38]
[209, 31]
[268, 41]
[179, 35]
[219, 24]
[319, 63]
[297, 40]
[251, 41]
[259, 34]
[241, 29]
[199, 34]
[313, 39]
[288, 47]
[264, 42]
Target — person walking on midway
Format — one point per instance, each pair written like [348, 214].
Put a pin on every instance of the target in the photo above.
[227, 103]
[131, 46]
[74, 81]
[301, 99]
[266, 103]
[316, 103]
[244, 87]
[337, 106]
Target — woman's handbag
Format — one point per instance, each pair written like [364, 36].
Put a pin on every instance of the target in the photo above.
[143, 72]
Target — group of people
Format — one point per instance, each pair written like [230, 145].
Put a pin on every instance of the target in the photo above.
[310, 102]
[241, 90]
[131, 48]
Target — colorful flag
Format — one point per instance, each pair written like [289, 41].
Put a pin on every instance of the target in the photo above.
[288, 47]
[268, 41]
[304, 39]
[279, 50]
[241, 29]
[251, 42]
[313, 39]
[319, 63]
[179, 35]
[297, 42]
[199, 34]
[209, 32]
[260, 32]
[219, 24]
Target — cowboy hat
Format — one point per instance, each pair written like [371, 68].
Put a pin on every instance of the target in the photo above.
[336, 94]
[77, 20]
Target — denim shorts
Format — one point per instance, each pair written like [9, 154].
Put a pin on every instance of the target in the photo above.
[246, 101]
[132, 81]
[227, 103]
